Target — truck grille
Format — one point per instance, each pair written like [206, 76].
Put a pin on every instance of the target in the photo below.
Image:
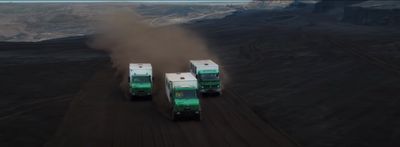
[209, 85]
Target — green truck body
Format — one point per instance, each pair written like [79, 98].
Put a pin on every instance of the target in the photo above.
[181, 90]
[140, 79]
[208, 75]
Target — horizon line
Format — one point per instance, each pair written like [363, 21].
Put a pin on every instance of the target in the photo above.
[125, 1]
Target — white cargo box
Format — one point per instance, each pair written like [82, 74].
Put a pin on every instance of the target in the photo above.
[185, 79]
[140, 69]
[200, 65]
[173, 80]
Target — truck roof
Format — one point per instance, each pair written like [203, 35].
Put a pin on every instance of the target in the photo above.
[140, 66]
[203, 63]
[177, 77]
[203, 66]
[136, 69]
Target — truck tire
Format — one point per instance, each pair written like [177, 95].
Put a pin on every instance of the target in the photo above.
[217, 93]
[173, 116]
[199, 117]
[131, 97]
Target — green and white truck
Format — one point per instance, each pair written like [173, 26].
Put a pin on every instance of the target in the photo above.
[140, 79]
[208, 75]
[181, 90]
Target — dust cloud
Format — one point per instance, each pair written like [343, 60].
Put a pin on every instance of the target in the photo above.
[129, 39]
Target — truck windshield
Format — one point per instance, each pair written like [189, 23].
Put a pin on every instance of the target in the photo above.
[185, 94]
[209, 76]
[140, 79]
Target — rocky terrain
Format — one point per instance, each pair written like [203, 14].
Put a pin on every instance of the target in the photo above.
[332, 5]
[373, 13]
[362, 12]
[36, 22]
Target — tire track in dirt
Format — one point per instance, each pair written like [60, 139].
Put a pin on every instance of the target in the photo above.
[30, 106]
[355, 49]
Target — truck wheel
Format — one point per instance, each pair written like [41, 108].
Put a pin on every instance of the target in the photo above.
[131, 97]
[219, 93]
[173, 117]
[199, 117]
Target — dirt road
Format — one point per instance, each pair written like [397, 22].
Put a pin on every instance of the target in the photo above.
[102, 116]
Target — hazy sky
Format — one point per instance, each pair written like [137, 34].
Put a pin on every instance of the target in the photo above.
[142, 1]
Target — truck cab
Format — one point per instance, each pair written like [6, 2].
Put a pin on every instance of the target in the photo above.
[208, 75]
[140, 79]
[181, 90]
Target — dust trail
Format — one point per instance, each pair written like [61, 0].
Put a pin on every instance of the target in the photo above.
[128, 39]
